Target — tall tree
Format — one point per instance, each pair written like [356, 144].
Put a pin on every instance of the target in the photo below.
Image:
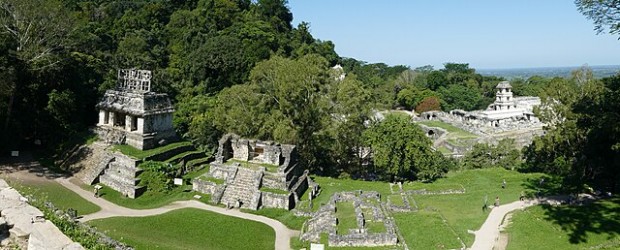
[402, 151]
[38, 29]
[604, 13]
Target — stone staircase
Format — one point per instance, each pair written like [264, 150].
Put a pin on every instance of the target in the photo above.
[122, 178]
[89, 175]
[243, 187]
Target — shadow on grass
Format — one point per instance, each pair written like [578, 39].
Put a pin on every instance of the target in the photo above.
[599, 217]
[544, 186]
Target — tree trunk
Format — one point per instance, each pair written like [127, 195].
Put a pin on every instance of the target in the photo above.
[9, 110]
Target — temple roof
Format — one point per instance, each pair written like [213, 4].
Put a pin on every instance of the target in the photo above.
[503, 85]
[138, 104]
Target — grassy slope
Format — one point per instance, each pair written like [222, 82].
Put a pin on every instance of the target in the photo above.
[140, 154]
[567, 227]
[149, 199]
[188, 229]
[464, 211]
[58, 195]
[454, 131]
[461, 211]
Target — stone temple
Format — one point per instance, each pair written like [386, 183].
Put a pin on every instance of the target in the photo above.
[505, 111]
[132, 114]
[254, 174]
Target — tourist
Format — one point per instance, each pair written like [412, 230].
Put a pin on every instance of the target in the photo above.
[96, 192]
[503, 183]
[496, 201]
[522, 196]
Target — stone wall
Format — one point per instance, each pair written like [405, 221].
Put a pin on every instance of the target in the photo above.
[241, 150]
[359, 239]
[28, 228]
[204, 186]
[274, 180]
[222, 172]
[121, 175]
[325, 221]
[271, 200]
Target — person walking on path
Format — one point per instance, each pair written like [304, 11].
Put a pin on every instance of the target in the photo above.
[496, 201]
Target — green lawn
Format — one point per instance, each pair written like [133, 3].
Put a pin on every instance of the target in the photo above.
[57, 194]
[141, 154]
[464, 211]
[188, 229]
[396, 200]
[593, 226]
[286, 217]
[426, 230]
[194, 174]
[454, 131]
[345, 212]
[181, 155]
[273, 190]
[375, 227]
[149, 199]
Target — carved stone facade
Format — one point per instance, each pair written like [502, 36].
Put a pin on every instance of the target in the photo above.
[252, 170]
[133, 115]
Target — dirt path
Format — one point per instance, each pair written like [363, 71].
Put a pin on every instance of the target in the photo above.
[488, 234]
[109, 209]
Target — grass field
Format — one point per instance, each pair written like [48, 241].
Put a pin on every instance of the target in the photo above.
[454, 131]
[593, 226]
[463, 212]
[58, 195]
[140, 154]
[345, 212]
[149, 199]
[188, 229]
[286, 217]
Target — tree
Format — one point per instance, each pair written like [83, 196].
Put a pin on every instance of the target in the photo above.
[483, 155]
[604, 13]
[402, 151]
[38, 29]
[460, 97]
[428, 104]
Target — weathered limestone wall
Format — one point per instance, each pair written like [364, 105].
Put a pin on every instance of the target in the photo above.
[241, 150]
[222, 172]
[28, 229]
[283, 201]
[121, 175]
[204, 186]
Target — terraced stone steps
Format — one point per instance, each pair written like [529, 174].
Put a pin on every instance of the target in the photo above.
[243, 188]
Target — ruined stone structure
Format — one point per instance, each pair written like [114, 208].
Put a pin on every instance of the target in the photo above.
[367, 210]
[23, 226]
[132, 114]
[507, 111]
[120, 172]
[255, 174]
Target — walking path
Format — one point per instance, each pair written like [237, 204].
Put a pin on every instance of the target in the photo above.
[488, 233]
[109, 209]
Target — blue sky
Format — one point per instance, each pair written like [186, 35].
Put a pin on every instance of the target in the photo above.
[487, 34]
